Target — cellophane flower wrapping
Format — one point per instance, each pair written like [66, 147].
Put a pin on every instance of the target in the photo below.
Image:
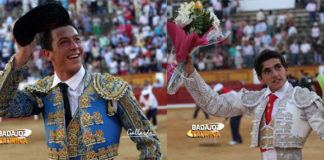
[191, 28]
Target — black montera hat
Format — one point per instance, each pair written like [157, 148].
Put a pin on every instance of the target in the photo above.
[37, 20]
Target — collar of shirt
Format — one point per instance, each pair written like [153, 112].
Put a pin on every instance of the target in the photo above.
[279, 93]
[73, 82]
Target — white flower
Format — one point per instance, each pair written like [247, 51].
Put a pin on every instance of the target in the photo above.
[216, 21]
[183, 17]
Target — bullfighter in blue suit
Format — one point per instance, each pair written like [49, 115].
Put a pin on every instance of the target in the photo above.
[83, 113]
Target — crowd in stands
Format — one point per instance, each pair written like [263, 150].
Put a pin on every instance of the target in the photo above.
[118, 36]
[250, 36]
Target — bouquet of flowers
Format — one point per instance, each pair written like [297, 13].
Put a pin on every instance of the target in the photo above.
[190, 28]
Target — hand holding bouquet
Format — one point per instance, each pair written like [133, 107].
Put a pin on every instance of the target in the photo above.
[191, 27]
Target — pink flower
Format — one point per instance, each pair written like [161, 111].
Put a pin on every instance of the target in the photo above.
[183, 43]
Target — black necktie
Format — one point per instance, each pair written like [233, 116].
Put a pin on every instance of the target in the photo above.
[63, 87]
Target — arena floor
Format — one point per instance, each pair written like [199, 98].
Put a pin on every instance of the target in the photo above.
[172, 133]
[36, 147]
[181, 147]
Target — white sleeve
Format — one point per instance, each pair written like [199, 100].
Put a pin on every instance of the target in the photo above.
[315, 117]
[225, 105]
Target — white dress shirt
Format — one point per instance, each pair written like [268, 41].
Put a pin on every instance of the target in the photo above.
[76, 86]
[150, 102]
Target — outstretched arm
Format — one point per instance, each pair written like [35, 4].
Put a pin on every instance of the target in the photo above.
[225, 105]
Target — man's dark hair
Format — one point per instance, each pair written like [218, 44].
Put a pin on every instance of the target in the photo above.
[264, 56]
[45, 37]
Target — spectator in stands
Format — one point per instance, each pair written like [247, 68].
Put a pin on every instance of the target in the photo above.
[201, 62]
[281, 20]
[266, 39]
[305, 49]
[248, 29]
[316, 51]
[113, 66]
[238, 57]
[93, 6]
[96, 23]
[281, 49]
[260, 27]
[315, 31]
[248, 54]
[2, 8]
[292, 31]
[226, 8]
[231, 58]
[239, 32]
[311, 9]
[278, 37]
[217, 6]
[261, 48]
[271, 19]
[218, 59]
[294, 50]
[260, 16]
[3, 31]
[321, 14]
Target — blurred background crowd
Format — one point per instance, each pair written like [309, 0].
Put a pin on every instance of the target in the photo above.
[118, 36]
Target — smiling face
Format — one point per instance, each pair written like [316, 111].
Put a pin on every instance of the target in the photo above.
[67, 52]
[274, 74]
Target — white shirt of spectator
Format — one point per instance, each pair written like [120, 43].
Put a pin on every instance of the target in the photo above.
[143, 20]
[248, 30]
[159, 54]
[128, 49]
[3, 31]
[260, 16]
[278, 37]
[158, 84]
[294, 48]
[146, 30]
[5, 52]
[281, 19]
[260, 27]
[86, 45]
[305, 48]
[151, 101]
[156, 20]
[217, 6]
[140, 62]
[113, 67]
[311, 7]
[271, 20]
[108, 55]
[315, 32]
[292, 31]
[132, 55]
[123, 66]
[248, 50]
